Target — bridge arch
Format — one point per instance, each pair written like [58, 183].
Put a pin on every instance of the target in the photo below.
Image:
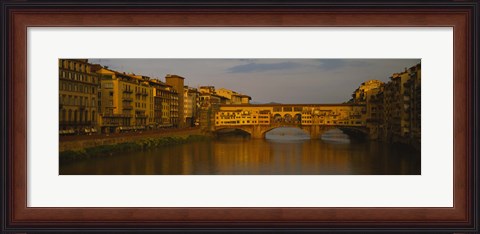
[267, 130]
[355, 132]
[228, 129]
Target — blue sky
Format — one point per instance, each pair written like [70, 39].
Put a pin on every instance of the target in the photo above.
[270, 80]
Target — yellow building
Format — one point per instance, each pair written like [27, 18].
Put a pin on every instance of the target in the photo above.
[293, 114]
[366, 90]
[191, 105]
[125, 101]
[367, 93]
[144, 103]
[233, 97]
[161, 99]
[78, 90]
[177, 105]
[207, 90]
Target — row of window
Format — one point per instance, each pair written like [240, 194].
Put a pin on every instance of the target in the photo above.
[242, 122]
[76, 116]
[67, 86]
[303, 122]
[78, 77]
[77, 100]
[333, 122]
[140, 105]
[75, 66]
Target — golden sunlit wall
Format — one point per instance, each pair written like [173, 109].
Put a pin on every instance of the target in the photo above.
[126, 101]
[191, 102]
[163, 99]
[142, 105]
[117, 99]
[177, 107]
[348, 115]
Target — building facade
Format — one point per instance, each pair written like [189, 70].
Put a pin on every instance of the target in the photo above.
[394, 108]
[176, 83]
[125, 101]
[233, 97]
[191, 106]
[78, 101]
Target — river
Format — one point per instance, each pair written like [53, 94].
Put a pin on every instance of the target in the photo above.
[283, 153]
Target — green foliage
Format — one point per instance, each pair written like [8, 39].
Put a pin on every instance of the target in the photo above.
[143, 144]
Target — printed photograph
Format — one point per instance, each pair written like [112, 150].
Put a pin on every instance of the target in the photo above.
[239, 116]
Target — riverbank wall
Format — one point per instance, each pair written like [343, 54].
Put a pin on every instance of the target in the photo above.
[76, 143]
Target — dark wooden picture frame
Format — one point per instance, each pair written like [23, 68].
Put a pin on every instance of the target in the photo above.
[17, 16]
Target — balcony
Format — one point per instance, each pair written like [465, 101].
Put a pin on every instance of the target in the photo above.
[127, 99]
[116, 116]
[127, 107]
[127, 91]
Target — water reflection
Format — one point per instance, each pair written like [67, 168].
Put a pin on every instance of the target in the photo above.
[240, 155]
[335, 136]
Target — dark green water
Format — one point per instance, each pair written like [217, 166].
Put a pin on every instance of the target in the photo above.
[236, 155]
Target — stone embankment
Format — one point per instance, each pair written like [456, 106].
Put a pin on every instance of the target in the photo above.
[79, 147]
[88, 141]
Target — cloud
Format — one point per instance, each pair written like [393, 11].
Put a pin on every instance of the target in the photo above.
[337, 64]
[262, 67]
[271, 80]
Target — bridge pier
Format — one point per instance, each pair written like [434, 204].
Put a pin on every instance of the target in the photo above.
[315, 132]
[257, 132]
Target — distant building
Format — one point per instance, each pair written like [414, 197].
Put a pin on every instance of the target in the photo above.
[233, 97]
[177, 83]
[366, 90]
[207, 89]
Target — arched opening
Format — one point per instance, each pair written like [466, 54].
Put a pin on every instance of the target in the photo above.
[288, 118]
[287, 134]
[357, 134]
[232, 132]
[277, 118]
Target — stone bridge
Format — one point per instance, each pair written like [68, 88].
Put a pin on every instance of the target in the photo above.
[314, 119]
